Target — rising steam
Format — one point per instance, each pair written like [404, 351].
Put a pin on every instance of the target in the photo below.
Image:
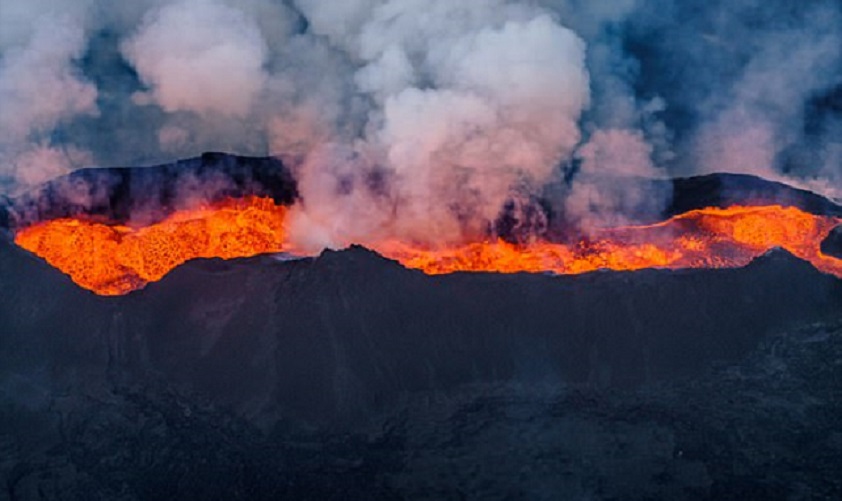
[421, 119]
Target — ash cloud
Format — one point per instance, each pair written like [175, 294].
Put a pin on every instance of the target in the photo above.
[423, 120]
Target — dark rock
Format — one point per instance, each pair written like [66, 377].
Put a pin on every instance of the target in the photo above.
[330, 339]
[148, 194]
[656, 200]
[832, 245]
[349, 377]
[722, 190]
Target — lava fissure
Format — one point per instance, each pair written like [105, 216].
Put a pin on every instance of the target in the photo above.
[116, 259]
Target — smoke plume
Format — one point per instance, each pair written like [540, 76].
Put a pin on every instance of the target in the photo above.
[423, 120]
[41, 90]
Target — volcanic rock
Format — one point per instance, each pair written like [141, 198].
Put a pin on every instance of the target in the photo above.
[348, 376]
[148, 194]
[832, 245]
[722, 190]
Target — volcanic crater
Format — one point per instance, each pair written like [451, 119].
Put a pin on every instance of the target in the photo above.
[251, 365]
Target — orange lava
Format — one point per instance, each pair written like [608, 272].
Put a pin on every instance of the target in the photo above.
[114, 260]
[706, 238]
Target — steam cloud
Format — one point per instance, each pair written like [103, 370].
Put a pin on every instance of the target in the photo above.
[422, 119]
[216, 68]
[40, 89]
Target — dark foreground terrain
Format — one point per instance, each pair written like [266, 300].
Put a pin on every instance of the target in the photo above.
[348, 377]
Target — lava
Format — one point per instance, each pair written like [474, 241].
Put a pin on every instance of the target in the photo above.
[706, 238]
[116, 259]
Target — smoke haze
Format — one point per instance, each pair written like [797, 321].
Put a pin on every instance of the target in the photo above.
[422, 119]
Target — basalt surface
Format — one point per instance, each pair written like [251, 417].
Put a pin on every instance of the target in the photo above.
[347, 376]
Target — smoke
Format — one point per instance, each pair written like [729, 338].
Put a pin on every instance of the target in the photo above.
[756, 122]
[423, 119]
[40, 90]
[470, 104]
[595, 201]
[185, 72]
[750, 85]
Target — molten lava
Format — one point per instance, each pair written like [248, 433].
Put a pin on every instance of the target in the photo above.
[116, 259]
[706, 238]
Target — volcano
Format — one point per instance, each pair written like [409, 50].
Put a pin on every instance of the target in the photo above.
[348, 375]
[114, 231]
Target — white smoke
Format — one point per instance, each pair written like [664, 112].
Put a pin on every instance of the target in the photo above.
[595, 201]
[40, 88]
[199, 56]
[38, 163]
[470, 104]
[762, 114]
[745, 78]
[421, 119]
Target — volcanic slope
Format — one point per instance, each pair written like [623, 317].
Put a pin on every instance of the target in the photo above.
[240, 359]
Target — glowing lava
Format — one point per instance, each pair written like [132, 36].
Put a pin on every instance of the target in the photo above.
[113, 260]
[706, 238]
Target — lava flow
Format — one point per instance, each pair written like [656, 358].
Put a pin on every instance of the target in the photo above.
[117, 259]
[113, 260]
[705, 238]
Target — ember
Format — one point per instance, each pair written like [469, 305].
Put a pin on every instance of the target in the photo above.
[113, 260]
